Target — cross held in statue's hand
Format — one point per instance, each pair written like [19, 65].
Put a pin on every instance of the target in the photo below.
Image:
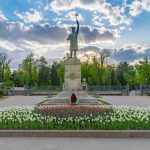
[76, 16]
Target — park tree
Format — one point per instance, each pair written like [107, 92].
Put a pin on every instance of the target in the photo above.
[4, 67]
[54, 75]
[29, 67]
[7, 75]
[94, 69]
[130, 75]
[86, 69]
[14, 78]
[97, 69]
[61, 72]
[122, 68]
[143, 72]
[113, 75]
[107, 75]
[43, 72]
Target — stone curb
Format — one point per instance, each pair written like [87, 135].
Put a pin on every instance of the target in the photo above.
[77, 133]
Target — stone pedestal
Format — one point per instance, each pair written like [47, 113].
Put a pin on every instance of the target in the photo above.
[72, 84]
[72, 81]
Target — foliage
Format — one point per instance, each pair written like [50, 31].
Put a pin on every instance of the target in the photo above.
[43, 73]
[1, 93]
[118, 118]
[143, 72]
[121, 70]
[54, 75]
[61, 72]
[37, 72]
[86, 70]
[4, 68]
[29, 67]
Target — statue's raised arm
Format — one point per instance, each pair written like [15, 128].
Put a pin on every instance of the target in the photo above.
[77, 26]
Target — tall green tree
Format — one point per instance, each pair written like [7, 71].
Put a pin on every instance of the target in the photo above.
[130, 75]
[61, 72]
[107, 75]
[29, 67]
[97, 69]
[44, 72]
[86, 70]
[53, 74]
[143, 72]
[7, 75]
[122, 68]
[4, 65]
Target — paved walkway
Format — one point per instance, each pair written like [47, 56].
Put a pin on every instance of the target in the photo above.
[33, 143]
[142, 101]
[21, 100]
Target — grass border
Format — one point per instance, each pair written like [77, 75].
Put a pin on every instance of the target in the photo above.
[42, 102]
[103, 102]
[3, 97]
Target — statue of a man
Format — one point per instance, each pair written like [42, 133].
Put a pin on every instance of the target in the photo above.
[73, 37]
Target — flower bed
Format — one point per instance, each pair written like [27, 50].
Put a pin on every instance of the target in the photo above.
[72, 110]
[122, 118]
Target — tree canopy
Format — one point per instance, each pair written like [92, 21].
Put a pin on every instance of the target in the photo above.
[38, 72]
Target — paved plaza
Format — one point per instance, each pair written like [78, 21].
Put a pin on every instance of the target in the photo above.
[33, 143]
[142, 101]
[21, 100]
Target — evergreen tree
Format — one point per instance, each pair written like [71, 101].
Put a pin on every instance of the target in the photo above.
[44, 72]
[53, 74]
[4, 65]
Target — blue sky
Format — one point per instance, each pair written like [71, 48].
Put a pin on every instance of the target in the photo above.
[42, 27]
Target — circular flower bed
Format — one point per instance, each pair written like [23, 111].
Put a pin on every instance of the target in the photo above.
[118, 118]
[72, 110]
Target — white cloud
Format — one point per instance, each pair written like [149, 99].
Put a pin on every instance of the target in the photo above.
[9, 46]
[138, 48]
[101, 8]
[131, 52]
[2, 17]
[17, 51]
[139, 6]
[33, 16]
[106, 25]
[136, 61]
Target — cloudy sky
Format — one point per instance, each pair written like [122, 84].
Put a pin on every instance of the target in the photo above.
[42, 26]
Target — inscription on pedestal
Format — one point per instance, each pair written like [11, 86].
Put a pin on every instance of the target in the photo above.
[72, 79]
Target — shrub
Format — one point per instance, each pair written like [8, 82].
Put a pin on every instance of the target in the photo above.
[8, 83]
[1, 92]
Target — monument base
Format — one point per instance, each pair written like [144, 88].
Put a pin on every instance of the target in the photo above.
[72, 79]
[72, 84]
[64, 98]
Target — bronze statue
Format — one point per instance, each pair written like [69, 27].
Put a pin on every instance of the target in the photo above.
[73, 37]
